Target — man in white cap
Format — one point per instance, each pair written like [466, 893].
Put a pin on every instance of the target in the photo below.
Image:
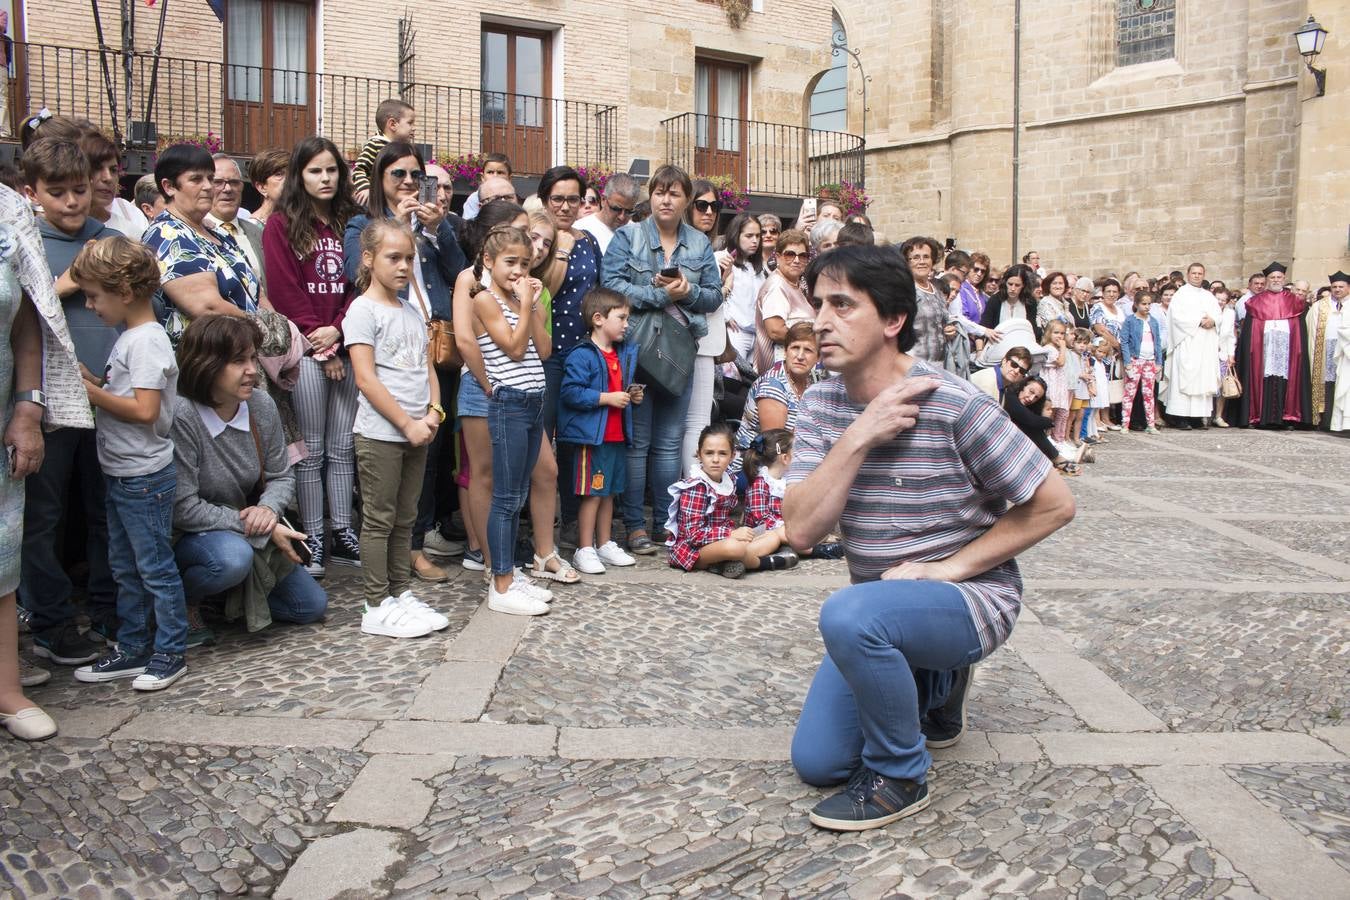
[1324, 321]
[1193, 351]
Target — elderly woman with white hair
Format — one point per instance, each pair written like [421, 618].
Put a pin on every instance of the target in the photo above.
[825, 235]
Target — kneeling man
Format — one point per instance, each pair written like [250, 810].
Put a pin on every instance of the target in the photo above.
[935, 491]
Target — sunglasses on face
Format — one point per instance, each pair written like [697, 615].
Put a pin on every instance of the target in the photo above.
[706, 206]
[1018, 367]
[980, 270]
[405, 174]
[620, 210]
[569, 200]
[791, 255]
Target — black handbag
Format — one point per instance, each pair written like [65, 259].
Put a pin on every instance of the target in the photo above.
[666, 349]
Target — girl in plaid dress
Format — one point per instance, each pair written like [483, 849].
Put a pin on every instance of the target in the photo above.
[766, 462]
[702, 533]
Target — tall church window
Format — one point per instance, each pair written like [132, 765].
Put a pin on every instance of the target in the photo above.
[1146, 31]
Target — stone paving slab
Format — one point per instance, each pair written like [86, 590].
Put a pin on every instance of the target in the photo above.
[1329, 539]
[328, 669]
[1215, 662]
[1219, 498]
[580, 669]
[639, 828]
[161, 820]
[1161, 547]
[1314, 798]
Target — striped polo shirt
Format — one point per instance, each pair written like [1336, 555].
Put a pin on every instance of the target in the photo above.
[932, 489]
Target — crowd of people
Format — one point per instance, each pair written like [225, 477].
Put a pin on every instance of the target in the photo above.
[352, 374]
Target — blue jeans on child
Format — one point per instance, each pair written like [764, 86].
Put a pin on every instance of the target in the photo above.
[212, 562]
[890, 648]
[658, 432]
[516, 426]
[140, 554]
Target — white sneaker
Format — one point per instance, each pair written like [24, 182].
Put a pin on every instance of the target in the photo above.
[539, 592]
[394, 618]
[515, 601]
[411, 600]
[611, 554]
[587, 561]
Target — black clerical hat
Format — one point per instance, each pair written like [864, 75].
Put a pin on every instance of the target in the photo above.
[1339, 276]
[1274, 267]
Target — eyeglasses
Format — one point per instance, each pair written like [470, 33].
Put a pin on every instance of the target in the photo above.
[980, 269]
[512, 197]
[404, 174]
[1017, 366]
[620, 210]
[705, 206]
[919, 257]
[235, 183]
[794, 254]
[569, 200]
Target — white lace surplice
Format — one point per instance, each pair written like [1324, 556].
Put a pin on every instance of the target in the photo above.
[1275, 349]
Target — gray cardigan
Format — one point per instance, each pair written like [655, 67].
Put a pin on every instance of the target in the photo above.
[217, 475]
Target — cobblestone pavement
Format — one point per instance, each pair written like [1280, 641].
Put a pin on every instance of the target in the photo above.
[1168, 720]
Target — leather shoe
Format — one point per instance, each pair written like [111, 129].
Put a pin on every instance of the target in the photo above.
[31, 724]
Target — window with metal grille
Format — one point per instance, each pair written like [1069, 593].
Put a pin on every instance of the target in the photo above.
[1146, 31]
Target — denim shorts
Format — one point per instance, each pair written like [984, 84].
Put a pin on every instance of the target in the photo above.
[471, 401]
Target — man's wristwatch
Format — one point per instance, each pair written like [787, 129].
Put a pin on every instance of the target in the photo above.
[37, 397]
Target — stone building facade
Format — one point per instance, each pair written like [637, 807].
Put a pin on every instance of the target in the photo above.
[1210, 149]
[1204, 154]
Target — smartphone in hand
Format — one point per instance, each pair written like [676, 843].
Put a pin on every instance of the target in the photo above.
[670, 272]
[427, 190]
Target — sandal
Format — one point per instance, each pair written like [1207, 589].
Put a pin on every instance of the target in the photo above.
[1068, 469]
[565, 573]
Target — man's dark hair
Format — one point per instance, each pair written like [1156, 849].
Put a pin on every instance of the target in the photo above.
[880, 273]
[1253, 277]
[957, 259]
[856, 233]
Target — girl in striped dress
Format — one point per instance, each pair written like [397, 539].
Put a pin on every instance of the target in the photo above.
[508, 323]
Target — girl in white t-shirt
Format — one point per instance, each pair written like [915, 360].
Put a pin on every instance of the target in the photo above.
[398, 412]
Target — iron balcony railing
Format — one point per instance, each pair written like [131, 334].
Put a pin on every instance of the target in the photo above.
[764, 157]
[250, 108]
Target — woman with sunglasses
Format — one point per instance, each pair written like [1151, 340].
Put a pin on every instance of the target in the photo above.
[590, 202]
[782, 303]
[394, 183]
[634, 265]
[703, 213]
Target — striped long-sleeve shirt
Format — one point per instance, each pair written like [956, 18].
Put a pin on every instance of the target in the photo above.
[365, 163]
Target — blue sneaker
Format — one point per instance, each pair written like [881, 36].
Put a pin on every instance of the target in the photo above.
[473, 561]
[162, 670]
[870, 800]
[112, 665]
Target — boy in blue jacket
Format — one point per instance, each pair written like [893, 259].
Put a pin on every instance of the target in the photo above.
[597, 390]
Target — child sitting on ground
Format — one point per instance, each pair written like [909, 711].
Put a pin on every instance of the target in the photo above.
[594, 416]
[135, 400]
[702, 533]
[395, 121]
[766, 462]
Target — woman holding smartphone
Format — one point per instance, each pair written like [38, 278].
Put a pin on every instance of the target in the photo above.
[662, 265]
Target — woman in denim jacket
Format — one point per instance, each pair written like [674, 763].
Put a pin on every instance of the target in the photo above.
[632, 266]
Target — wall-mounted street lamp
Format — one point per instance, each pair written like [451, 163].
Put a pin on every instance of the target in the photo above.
[1310, 39]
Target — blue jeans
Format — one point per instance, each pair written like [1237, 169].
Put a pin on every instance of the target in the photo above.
[140, 553]
[658, 432]
[516, 426]
[212, 562]
[44, 587]
[553, 375]
[890, 648]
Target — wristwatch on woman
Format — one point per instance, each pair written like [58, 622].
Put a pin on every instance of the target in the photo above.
[440, 409]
